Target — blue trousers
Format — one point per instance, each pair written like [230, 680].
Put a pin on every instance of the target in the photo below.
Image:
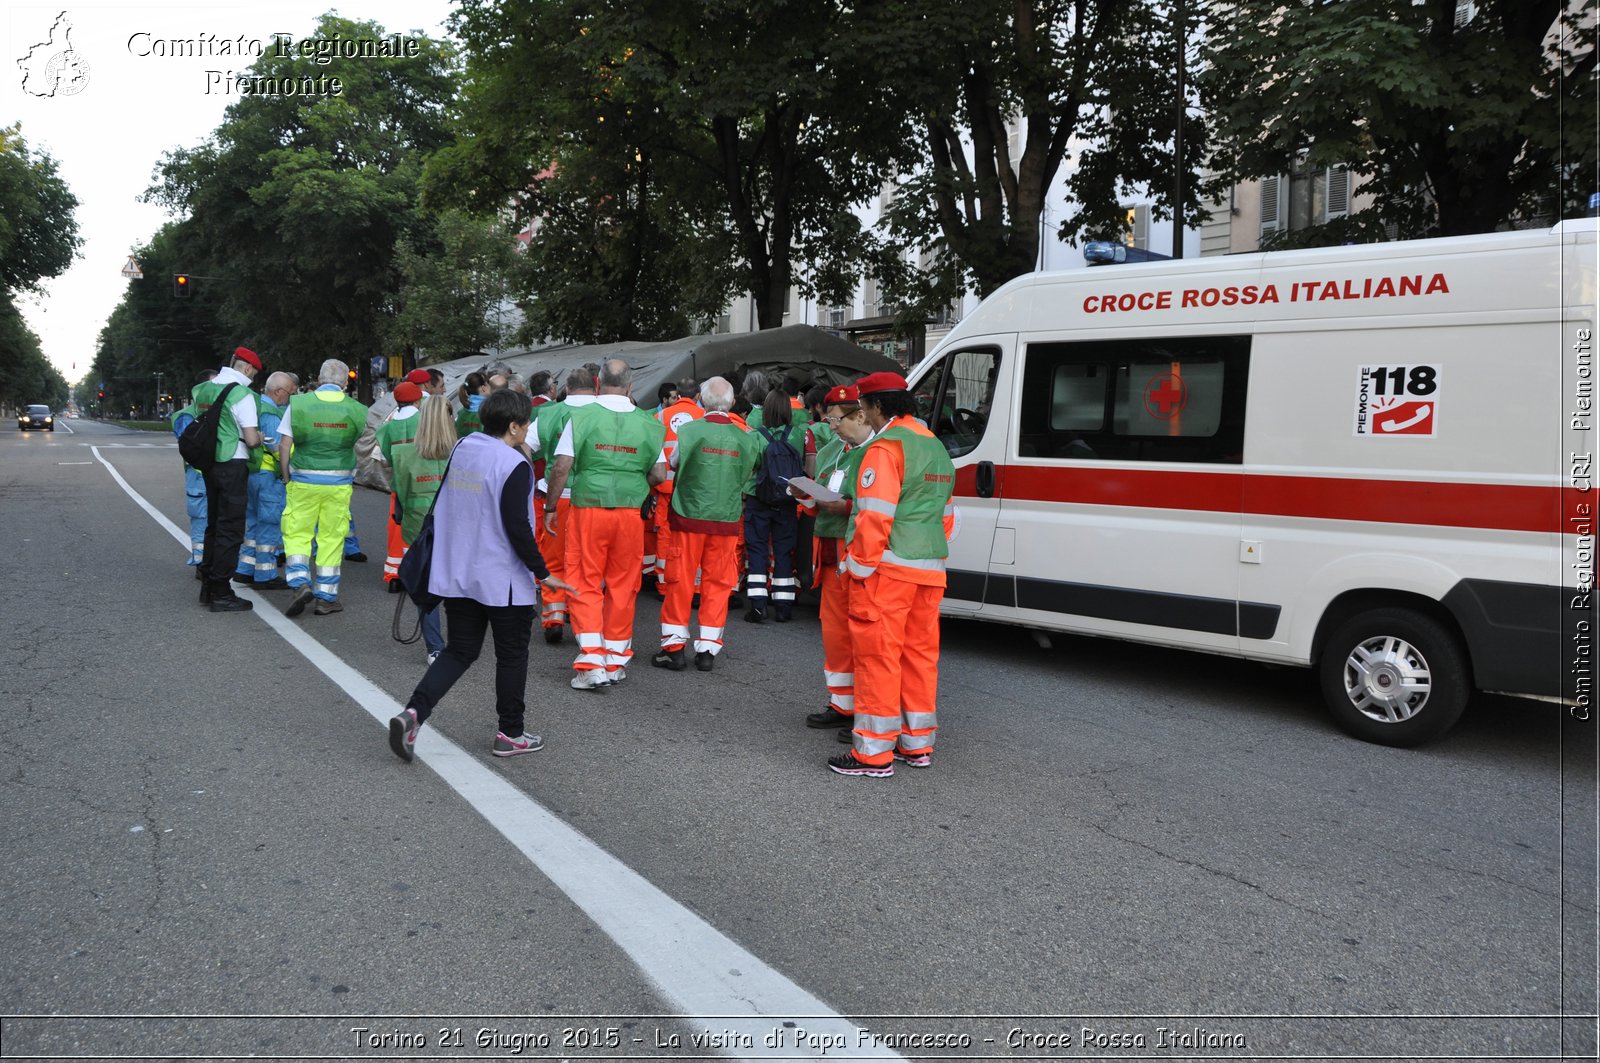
[263, 527]
[194, 497]
[769, 533]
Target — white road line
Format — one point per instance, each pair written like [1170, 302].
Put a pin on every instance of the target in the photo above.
[722, 990]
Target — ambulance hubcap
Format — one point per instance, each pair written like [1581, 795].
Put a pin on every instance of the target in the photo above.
[1387, 679]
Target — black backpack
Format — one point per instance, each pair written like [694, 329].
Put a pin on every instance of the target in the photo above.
[779, 464]
[198, 443]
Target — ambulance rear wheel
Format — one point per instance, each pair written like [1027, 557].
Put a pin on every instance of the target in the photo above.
[1394, 676]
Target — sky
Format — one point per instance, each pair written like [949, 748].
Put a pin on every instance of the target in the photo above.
[132, 107]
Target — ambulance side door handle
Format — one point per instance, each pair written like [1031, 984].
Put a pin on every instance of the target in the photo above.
[985, 479]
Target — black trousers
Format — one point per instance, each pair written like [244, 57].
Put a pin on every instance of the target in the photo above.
[227, 496]
[469, 621]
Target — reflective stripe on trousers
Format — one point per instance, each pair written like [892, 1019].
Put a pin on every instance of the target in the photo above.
[894, 628]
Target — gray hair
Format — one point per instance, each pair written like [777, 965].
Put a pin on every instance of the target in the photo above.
[617, 374]
[281, 379]
[580, 380]
[716, 395]
[755, 387]
[333, 371]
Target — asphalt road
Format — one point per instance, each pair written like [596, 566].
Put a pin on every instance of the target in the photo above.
[1114, 840]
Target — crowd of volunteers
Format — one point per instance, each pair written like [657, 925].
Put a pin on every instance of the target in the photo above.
[555, 500]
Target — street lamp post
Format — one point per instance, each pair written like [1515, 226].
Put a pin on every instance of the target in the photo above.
[158, 377]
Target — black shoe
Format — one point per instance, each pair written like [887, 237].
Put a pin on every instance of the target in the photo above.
[302, 598]
[781, 616]
[847, 764]
[395, 586]
[735, 600]
[672, 660]
[205, 592]
[327, 608]
[358, 556]
[829, 717]
[246, 578]
[230, 603]
[554, 634]
[276, 583]
[705, 660]
[199, 572]
[847, 737]
[755, 616]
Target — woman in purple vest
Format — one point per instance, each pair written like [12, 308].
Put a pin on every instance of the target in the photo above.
[486, 565]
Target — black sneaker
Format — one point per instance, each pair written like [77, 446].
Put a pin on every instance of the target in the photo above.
[396, 587]
[829, 717]
[230, 603]
[753, 615]
[781, 616]
[357, 557]
[846, 737]
[302, 598]
[705, 660]
[403, 734]
[553, 634]
[672, 660]
[847, 764]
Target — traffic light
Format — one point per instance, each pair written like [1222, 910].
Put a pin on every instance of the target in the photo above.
[102, 393]
[181, 285]
[352, 375]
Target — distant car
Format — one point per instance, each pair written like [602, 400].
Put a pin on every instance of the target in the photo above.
[36, 417]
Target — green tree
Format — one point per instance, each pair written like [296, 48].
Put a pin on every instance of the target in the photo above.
[26, 376]
[453, 285]
[1456, 127]
[38, 233]
[1005, 94]
[298, 203]
[628, 242]
[150, 332]
[683, 134]
[38, 240]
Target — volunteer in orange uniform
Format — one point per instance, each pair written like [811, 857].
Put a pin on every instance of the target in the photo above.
[895, 562]
[714, 457]
[611, 449]
[673, 416]
[550, 420]
[837, 466]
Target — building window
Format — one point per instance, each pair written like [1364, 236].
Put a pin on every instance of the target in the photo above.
[1304, 197]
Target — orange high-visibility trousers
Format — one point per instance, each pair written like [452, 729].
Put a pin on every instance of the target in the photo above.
[894, 626]
[553, 603]
[838, 657]
[664, 537]
[717, 558]
[396, 545]
[603, 550]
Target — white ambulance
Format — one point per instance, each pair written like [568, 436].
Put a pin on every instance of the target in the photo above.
[1371, 460]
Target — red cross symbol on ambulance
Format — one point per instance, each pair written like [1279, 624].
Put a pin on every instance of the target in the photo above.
[1165, 396]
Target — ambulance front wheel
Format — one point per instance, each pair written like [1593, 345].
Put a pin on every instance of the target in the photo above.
[1394, 676]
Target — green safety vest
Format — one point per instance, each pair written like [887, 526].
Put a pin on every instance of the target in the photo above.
[714, 459]
[416, 483]
[612, 455]
[822, 434]
[549, 419]
[930, 481]
[392, 433]
[227, 427]
[467, 422]
[831, 459]
[325, 431]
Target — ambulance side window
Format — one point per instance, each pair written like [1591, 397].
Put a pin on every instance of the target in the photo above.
[1135, 400]
[954, 400]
